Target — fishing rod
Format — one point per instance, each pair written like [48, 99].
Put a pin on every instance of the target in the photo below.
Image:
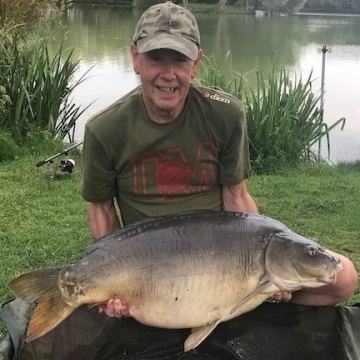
[67, 165]
[324, 49]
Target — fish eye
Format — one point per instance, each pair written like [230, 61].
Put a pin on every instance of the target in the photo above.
[312, 251]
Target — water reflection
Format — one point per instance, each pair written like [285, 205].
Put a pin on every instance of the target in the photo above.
[101, 37]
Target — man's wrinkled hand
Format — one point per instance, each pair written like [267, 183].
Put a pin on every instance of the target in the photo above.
[114, 308]
[283, 296]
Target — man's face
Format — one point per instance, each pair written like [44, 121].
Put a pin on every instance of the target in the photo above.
[165, 75]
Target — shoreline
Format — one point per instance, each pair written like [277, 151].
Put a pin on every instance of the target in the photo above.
[197, 8]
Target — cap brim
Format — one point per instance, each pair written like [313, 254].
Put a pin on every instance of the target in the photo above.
[168, 41]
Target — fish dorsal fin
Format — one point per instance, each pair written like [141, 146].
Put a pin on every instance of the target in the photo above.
[263, 285]
[198, 335]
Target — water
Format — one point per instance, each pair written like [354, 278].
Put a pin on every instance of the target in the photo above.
[101, 37]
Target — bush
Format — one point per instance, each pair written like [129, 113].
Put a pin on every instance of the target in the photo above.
[27, 12]
[5, 104]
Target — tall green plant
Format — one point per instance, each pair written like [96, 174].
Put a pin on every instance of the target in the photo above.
[284, 120]
[283, 114]
[222, 78]
[39, 86]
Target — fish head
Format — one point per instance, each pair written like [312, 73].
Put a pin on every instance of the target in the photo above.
[293, 262]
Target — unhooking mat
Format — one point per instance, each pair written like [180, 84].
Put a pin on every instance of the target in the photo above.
[270, 332]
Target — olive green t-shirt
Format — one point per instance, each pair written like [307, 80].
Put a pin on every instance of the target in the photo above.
[154, 169]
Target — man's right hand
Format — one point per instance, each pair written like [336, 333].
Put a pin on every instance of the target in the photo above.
[114, 308]
[283, 296]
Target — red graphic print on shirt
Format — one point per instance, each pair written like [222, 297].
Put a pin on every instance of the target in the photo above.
[170, 173]
[172, 176]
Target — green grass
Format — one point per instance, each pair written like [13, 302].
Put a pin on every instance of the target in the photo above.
[43, 220]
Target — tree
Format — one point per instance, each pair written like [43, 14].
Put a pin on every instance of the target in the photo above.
[24, 11]
[334, 5]
[346, 5]
[144, 4]
[273, 6]
[221, 4]
[294, 6]
[283, 6]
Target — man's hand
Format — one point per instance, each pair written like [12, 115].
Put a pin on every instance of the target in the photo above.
[114, 308]
[283, 296]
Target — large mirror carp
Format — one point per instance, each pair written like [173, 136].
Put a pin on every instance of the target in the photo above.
[189, 270]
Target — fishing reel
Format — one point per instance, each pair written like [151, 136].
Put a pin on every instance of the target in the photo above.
[67, 165]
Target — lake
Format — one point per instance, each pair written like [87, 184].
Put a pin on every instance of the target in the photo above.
[101, 36]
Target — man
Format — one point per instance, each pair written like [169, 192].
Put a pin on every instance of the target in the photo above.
[169, 145]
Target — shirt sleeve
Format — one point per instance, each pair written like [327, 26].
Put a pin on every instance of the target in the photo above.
[99, 176]
[234, 155]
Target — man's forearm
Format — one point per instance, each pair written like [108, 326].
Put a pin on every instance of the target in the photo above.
[236, 198]
[244, 204]
[103, 218]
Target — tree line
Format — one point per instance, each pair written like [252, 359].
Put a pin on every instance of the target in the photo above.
[249, 6]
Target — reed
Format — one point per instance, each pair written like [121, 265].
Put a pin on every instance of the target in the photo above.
[39, 86]
[284, 117]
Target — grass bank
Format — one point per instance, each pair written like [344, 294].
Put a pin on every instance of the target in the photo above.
[43, 220]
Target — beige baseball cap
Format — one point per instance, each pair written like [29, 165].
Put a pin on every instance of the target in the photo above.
[168, 26]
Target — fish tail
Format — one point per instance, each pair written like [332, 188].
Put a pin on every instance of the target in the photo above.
[41, 287]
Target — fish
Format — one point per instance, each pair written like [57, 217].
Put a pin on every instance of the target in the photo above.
[194, 269]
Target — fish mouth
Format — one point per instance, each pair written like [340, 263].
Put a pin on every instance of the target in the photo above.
[332, 277]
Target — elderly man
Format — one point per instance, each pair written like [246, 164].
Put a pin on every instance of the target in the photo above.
[165, 147]
[170, 145]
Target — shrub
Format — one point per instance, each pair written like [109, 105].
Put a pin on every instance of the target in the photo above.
[27, 12]
[5, 104]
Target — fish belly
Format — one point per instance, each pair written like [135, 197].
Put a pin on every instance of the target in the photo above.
[192, 301]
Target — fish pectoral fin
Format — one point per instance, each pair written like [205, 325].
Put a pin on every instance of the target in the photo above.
[260, 289]
[91, 306]
[198, 335]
